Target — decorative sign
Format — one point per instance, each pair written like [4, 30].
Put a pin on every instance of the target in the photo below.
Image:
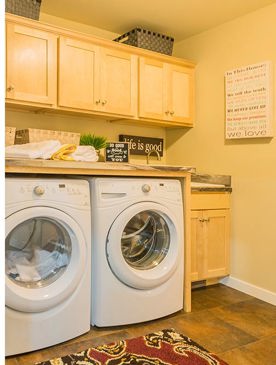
[116, 152]
[249, 101]
[142, 145]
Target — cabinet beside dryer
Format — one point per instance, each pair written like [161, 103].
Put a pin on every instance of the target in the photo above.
[210, 235]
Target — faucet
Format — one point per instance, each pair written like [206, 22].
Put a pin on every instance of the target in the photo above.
[157, 154]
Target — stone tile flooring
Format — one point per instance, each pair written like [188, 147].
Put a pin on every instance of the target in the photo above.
[239, 328]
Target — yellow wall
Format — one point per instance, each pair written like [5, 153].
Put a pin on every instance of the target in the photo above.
[79, 27]
[251, 162]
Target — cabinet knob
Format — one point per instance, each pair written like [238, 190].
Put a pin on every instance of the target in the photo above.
[167, 112]
[172, 113]
[10, 88]
[104, 102]
[98, 101]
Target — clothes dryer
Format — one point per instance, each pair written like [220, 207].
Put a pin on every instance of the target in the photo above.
[48, 266]
[137, 249]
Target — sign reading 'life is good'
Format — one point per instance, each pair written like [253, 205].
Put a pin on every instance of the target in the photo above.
[249, 101]
[143, 145]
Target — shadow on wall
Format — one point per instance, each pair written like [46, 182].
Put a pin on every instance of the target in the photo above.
[173, 135]
[248, 141]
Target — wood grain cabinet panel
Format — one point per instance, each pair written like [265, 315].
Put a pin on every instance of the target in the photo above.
[166, 92]
[96, 78]
[210, 231]
[31, 65]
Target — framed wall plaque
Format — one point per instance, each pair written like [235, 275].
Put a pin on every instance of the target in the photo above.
[117, 152]
[248, 109]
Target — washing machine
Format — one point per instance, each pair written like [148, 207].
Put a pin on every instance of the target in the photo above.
[137, 250]
[47, 262]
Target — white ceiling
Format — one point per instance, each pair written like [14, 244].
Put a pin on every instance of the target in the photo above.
[177, 18]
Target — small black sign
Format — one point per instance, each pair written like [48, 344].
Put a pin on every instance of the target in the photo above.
[142, 145]
[117, 152]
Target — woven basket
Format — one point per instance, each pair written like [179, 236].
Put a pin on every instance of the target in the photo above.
[147, 39]
[9, 135]
[37, 135]
[26, 8]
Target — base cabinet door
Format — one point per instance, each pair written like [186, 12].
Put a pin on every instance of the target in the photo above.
[210, 244]
[31, 65]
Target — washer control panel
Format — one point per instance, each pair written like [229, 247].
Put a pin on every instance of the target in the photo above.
[70, 192]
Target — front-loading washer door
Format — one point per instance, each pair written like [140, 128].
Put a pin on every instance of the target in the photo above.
[144, 245]
[45, 255]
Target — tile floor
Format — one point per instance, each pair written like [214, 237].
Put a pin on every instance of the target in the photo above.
[238, 327]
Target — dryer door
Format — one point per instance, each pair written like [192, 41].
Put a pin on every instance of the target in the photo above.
[45, 254]
[144, 245]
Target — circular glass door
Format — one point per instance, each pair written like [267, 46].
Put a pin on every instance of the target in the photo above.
[145, 240]
[44, 258]
[37, 252]
[144, 246]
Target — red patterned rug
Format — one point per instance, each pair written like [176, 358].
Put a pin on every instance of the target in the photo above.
[165, 347]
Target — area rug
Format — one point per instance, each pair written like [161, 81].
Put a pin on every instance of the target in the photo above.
[165, 347]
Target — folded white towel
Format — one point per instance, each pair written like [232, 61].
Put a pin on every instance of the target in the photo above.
[85, 153]
[43, 149]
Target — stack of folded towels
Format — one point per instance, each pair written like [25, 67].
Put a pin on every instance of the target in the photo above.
[52, 150]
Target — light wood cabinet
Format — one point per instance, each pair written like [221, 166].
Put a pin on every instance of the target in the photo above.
[96, 78]
[166, 91]
[70, 72]
[210, 230]
[31, 65]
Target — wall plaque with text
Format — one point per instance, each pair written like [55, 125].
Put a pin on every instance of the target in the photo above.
[117, 152]
[249, 101]
[142, 145]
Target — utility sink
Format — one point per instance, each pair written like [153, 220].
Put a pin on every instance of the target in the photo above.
[172, 168]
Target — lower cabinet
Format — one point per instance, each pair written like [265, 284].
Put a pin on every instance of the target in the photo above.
[210, 235]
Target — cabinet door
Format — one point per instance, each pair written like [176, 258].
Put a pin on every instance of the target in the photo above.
[78, 74]
[198, 245]
[210, 244]
[180, 94]
[31, 66]
[151, 88]
[118, 82]
[217, 250]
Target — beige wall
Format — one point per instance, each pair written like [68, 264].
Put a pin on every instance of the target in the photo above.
[252, 162]
[79, 27]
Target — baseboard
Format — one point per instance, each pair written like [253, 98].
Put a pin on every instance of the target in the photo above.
[255, 291]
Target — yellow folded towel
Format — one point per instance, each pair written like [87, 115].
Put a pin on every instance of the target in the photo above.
[63, 152]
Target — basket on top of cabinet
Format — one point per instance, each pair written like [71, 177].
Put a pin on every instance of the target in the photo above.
[147, 39]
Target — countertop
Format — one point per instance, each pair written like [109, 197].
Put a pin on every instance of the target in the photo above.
[93, 168]
[199, 182]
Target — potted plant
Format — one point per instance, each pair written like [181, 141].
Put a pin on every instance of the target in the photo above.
[98, 142]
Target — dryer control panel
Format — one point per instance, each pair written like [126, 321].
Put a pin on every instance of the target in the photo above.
[108, 190]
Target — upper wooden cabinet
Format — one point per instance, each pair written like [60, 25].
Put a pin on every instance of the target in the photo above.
[96, 78]
[66, 71]
[166, 91]
[31, 69]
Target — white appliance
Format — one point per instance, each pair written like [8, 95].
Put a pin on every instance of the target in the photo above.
[48, 266]
[137, 249]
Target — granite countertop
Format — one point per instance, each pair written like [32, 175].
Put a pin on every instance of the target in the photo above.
[204, 182]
